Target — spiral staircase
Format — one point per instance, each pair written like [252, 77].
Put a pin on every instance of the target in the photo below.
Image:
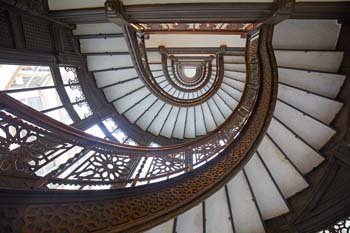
[300, 127]
[244, 142]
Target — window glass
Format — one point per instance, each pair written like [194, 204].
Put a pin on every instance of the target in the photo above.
[69, 75]
[40, 100]
[95, 131]
[21, 77]
[61, 115]
[190, 72]
[131, 142]
[120, 135]
[83, 110]
[110, 124]
[153, 144]
[74, 93]
[35, 87]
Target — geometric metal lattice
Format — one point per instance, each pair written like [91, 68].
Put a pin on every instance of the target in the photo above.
[342, 226]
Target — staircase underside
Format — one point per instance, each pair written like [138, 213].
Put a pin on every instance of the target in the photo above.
[263, 139]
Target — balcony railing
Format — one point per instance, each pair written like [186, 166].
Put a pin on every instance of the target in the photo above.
[37, 152]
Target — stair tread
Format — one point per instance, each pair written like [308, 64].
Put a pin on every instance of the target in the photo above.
[244, 210]
[268, 197]
[191, 221]
[312, 131]
[321, 108]
[101, 45]
[286, 176]
[312, 60]
[306, 34]
[108, 61]
[217, 213]
[304, 157]
[325, 84]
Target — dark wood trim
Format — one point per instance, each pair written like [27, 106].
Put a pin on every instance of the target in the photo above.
[56, 74]
[198, 32]
[205, 12]
[343, 45]
[282, 10]
[321, 10]
[199, 50]
[23, 56]
[174, 225]
[107, 53]
[100, 36]
[80, 16]
[28, 8]
[168, 13]
[204, 218]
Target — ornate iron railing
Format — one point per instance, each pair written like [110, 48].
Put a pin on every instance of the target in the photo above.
[47, 143]
[139, 57]
[30, 141]
[204, 74]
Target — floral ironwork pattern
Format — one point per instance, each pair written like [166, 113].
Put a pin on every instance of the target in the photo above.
[96, 163]
[342, 226]
[104, 167]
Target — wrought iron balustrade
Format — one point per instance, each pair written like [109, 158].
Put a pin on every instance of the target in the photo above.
[50, 153]
[31, 141]
[139, 57]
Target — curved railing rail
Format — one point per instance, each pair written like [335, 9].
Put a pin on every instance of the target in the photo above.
[204, 74]
[139, 56]
[208, 84]
[48, 143]
[126, 209]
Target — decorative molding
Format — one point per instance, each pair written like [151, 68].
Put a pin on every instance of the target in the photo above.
[282, 10]
[197, 28]
[115, 12]
[206, 12]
